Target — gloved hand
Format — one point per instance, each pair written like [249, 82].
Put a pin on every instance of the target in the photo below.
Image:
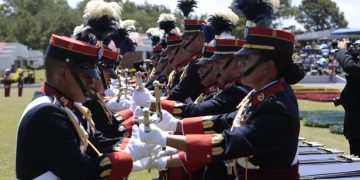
[133, 107]
[150, 163]
[138, 112]
[154, 136]
[143, 98]
[159, 163]
[115, 106]
[159, 151]
[168, 122]
[168, 151]
[109, 92]
[142, 164]
[136, 148]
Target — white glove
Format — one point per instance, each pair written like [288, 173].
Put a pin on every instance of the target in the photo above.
[143, 98]
[158, 151]
[136, 148]
[168, 151]
[109, 92]
[142, 164]
[159, 163]
[150, 163]
[154, 136]
[138, 112]
[133, 107]
[168, 122]
[115, 106]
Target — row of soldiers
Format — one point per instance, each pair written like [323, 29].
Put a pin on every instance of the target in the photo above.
[7, 83]
[227, 110]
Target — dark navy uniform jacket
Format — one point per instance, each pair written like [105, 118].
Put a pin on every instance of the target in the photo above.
[225, 102]
[190, 86]
[350, 96]
[47, 141]
[159, 77]
[103, 118]
[268, 136]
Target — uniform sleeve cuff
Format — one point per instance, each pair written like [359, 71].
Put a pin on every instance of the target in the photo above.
[193, 125]
[196, 142]
[125, 114]
[168, 105]
[121, 165]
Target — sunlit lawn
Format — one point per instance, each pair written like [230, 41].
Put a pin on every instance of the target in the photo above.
[11, 109]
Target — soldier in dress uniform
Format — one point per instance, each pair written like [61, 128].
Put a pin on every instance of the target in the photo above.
[7, 82]
[231, 95]
[189, 86]
[262, 140]
[57, 118]
[225, 69]
[20, 83]
[159, 63]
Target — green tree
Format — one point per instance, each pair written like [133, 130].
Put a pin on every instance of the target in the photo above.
[32, 22]
[284, 12]
[318, 15]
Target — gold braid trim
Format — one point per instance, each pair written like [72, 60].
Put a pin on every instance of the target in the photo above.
[152, 73]
[240, 118]
[184, 73]
[80, 131]
[171, 80]
[200, 98]
[86, 114]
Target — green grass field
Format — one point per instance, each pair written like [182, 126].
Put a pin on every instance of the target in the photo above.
[12, 108]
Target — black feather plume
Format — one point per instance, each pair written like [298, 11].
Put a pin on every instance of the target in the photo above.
[209, 33]
[85, 36]
[187, 6]
[167, 26]
[220, 24]
[258, 11]
[102, 27]
[119, 37]
[163, 43]
[155, 40]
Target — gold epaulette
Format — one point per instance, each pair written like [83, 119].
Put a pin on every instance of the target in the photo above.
[184, 73]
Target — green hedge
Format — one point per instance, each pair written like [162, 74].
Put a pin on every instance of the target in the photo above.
[322, 119]
[337, 129]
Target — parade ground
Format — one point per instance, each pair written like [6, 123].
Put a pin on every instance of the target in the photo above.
[12, 108]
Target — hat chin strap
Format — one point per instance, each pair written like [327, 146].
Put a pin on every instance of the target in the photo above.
[219, 74]
[86, 91]
[192, 39]
[253, 67]
[173, 57]
[102, 76]
[206, 74]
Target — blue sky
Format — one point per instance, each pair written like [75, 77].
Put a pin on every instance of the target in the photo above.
[349, 7]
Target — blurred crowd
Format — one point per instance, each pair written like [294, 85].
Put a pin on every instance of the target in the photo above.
[318, 59]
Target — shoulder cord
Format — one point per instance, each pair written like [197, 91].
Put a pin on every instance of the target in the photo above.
[80, 131]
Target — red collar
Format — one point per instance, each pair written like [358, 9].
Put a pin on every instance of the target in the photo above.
[188, 60]
[54, 92]
[267, 92]
[232, 82]
[212, 88]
